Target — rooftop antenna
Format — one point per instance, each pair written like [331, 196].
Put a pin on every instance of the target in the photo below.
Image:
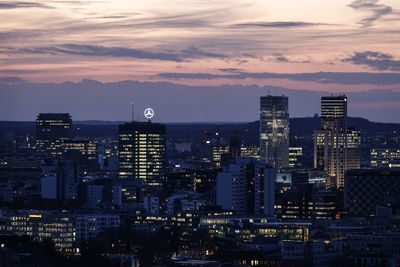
[218, 136]
[268, 91]
[133, 111]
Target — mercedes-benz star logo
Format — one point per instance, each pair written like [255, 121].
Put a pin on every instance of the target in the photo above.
[149, 113]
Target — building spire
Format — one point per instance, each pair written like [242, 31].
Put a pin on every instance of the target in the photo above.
[133, 111]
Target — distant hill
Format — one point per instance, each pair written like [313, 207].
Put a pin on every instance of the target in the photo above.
[248, 131]
[301, 126]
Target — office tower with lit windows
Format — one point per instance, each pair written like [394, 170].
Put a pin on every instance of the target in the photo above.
[385, 158]
[353, 149]
[336, 148]
[52, 129]
[296, 157]
[142, 151]
[274, 131]
[330, 149]
[59, 227]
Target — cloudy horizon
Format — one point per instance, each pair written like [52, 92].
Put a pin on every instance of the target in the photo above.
[304, 48]
[111, 101]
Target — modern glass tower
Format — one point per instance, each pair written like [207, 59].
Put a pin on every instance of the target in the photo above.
[274, 131]
[142, 151]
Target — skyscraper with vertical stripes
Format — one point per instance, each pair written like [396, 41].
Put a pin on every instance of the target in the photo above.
[274, 131]
[142, 151]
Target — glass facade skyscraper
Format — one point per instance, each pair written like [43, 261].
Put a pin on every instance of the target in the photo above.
[142, 151]
[274, 131]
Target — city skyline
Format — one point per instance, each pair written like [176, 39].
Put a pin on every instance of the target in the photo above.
[197, 51]
[199, 133]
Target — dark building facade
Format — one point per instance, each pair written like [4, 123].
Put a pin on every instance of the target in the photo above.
[365, 188]
[247, 187]
[52, 129]
[305, 202]
[83, 152]
[142, 151]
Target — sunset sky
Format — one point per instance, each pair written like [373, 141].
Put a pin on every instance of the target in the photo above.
[309, 47]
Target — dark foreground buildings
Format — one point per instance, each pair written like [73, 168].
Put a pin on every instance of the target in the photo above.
[364, 189]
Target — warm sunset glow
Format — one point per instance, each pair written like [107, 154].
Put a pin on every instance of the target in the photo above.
[204, 43]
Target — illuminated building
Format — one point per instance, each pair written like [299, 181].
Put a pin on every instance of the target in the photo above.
[223, 155]
[324, 205]
[294, 203]
[364, 189]
[274, 131]
[353, 138]
[250, 151]
[253, 230]
[52, 129]
[151, 223]
[217, 152]
[185, 219]
[295, 157]
[304, 202]
[131, 189]
[234, 150]
[57, 226]
[248, 187]
[142, 151]
[336, 148]
[385, 158]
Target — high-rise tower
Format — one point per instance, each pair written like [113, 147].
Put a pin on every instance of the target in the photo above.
[336, 148]
[274, 131]
[142, 151]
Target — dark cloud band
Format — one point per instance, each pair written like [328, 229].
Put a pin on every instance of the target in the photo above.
[374, 60]
[102, 51]
[319, 77]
